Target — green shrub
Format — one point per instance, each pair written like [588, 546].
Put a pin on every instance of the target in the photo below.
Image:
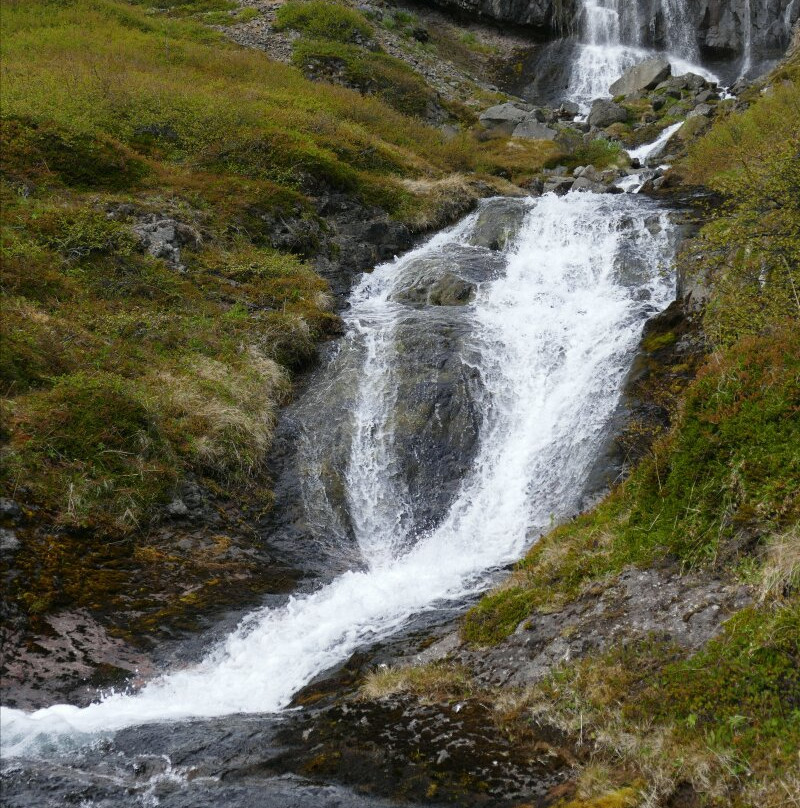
[32, 150]
[741, 691]
[78, 233]
[322, 19]
[370, 72]
[600, 153]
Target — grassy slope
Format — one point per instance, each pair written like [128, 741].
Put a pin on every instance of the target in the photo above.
[120, 374]
[720, 492]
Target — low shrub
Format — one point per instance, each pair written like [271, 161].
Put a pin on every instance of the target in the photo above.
[370, 72]
[321, 19]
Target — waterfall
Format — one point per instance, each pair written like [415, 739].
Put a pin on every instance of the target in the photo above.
[747, 39]
[551, 333]
[611, 42]
[681, 39]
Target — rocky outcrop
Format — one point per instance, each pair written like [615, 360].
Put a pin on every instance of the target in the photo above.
[720, 29]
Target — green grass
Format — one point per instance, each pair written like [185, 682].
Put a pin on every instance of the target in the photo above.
[372, 73]
[119, 374]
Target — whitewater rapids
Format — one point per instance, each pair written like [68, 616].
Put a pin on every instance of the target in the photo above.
[552, 336]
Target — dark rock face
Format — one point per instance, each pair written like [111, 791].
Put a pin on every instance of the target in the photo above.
[721, 32]
[552, 16]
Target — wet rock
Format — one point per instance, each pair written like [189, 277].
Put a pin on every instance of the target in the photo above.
[454, 752]
[503, 118]
[605, 112]
[447, 290]
[644, 76]
[498, 223]
[568, 109]
[558, 185]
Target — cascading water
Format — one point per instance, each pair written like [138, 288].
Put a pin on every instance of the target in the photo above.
[550, 333]
[611, 42]
[747, 39]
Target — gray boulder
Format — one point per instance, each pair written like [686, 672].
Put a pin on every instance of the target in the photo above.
[9, 543]
[644, 76]
[532, 129]
[701, 110]
[164, 238]
[558, 185]
[605, 112]
[503, 117]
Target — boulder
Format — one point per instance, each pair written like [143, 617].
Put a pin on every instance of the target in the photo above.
[9, 543]
[558, 185]
[503, 117]
[644, 76]
[164, 238]
[701, 110]
[532, 129]
[605, 112]
[568, 109]
[446, 290]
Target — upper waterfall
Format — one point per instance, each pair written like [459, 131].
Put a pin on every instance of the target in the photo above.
[613, 37]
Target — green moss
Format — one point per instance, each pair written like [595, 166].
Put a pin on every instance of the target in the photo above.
[741, 691]
[657, 342]
[497, 615]
[600, 153]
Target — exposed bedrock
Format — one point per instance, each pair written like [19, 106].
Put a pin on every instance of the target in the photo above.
[721, 27]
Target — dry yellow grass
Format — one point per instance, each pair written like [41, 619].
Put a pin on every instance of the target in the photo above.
[435, 682]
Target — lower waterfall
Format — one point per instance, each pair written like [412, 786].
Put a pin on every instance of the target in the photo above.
[548, 337]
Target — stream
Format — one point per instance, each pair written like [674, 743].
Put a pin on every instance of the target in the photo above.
[470, 429]
[458, 419]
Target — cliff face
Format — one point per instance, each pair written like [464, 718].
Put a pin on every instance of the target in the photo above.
[551, 16]
[724, 27]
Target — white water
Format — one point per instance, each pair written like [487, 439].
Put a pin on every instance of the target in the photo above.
[747, 40]
[644, 154]
[554, 335]
[611, 43]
